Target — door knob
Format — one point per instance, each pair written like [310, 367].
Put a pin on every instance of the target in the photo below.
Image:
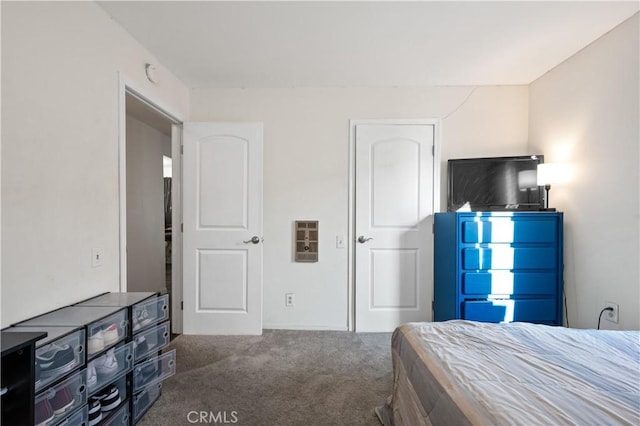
[362, 239]
[255, 240]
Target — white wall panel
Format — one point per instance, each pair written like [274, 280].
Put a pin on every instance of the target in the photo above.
[584, 115]
[60, 64]
[306, 172]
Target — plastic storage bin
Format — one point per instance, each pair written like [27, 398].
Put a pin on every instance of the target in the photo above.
[105, 326]
[109, 367]
[120, 418]
[148, 313]
[78, 418]
[104, 334]
[108, 401]
[147, 308]
[144, 400]
[58, 354]
[55, 403]
[151, 341]
[154, 370]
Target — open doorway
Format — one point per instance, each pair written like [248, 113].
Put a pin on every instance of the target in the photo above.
[137, 103]
[149, 197]
[148, 154]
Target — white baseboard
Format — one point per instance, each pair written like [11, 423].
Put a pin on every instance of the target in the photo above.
[310, 327]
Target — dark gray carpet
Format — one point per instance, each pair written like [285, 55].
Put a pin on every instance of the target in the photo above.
[283, 377]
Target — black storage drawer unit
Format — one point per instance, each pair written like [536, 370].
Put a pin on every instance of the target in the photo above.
[18, 377]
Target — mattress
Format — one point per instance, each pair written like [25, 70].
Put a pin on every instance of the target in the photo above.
[462, 372]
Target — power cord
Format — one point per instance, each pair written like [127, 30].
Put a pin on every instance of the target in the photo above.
[608, 308]
[566, 310]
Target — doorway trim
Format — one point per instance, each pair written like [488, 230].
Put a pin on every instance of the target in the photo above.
[129, 86]
[436, 123]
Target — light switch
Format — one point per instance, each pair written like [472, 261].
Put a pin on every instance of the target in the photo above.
[96, 257]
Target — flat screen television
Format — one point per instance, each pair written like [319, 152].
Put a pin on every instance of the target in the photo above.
[497, 183]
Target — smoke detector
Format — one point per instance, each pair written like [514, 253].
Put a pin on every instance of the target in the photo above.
[152, 73]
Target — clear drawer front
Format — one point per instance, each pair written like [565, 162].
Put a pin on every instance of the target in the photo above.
[154, 370]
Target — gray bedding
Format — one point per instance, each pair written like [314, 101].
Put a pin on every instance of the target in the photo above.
[462, 372]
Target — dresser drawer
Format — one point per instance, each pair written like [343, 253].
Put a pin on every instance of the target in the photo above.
[508, 283]
[507, 257]
[505, 230]
[529, 310]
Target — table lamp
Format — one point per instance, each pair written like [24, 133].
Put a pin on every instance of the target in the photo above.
[549, 174]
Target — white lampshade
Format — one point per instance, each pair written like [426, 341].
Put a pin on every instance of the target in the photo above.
[526, 180]
[167, 168]
[550, 174]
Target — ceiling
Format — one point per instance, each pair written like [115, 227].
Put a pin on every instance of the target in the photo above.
[238, 44]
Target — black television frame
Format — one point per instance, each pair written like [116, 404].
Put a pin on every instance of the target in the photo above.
[539, 205]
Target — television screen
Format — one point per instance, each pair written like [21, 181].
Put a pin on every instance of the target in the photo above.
[499, 183]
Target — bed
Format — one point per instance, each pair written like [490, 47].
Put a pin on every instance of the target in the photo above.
[462, 372]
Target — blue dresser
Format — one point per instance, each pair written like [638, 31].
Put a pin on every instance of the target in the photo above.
[498, 266]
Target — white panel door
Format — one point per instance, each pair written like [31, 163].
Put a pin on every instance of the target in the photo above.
[222, 238]
[394, 240]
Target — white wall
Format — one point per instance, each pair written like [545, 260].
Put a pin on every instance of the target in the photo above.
[145, 207]
[60, 63]
[306, 147]
[584, 113]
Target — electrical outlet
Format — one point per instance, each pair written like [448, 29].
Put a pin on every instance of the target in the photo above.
[96, 257]
[289, 300]
[611, 315]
